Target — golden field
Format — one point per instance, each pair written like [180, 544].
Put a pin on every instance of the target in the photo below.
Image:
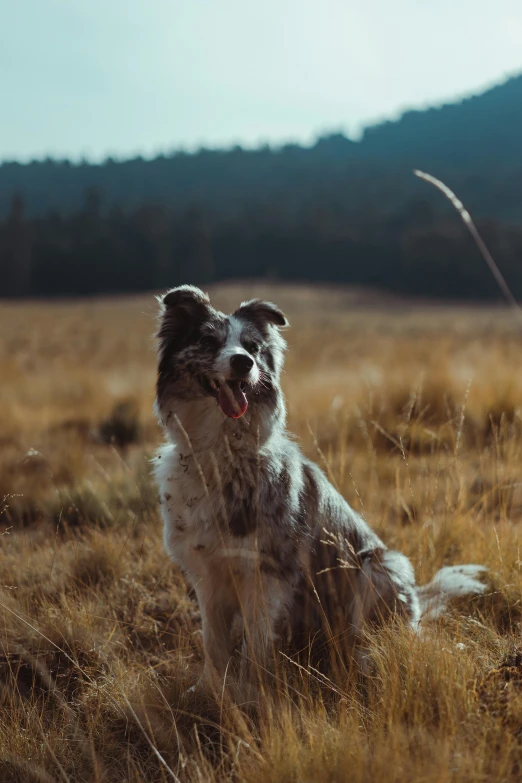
[415, 412]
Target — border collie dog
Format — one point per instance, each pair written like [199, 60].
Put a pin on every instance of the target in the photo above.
[274, 554]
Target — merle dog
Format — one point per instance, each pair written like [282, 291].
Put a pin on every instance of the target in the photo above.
[274, 553]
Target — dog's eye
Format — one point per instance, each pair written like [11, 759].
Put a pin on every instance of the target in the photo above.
[250, 346]
[209, 342]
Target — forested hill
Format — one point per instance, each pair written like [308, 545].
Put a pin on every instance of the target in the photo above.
[481, 132]
[476, 143]
[337, 210]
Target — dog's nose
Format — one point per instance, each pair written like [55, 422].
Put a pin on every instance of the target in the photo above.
[241, 363]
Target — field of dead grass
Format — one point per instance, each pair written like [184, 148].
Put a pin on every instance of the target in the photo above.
[415, 412]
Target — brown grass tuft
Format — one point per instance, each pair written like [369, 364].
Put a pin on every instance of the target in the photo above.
[122, 426]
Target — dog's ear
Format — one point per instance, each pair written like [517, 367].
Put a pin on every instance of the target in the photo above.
[261, 313]
[186, 297]
[182, 310]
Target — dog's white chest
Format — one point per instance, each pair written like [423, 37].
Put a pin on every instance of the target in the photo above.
[188, 507]
[182, 486]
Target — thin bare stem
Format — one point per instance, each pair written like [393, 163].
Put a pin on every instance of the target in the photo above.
[468, 222]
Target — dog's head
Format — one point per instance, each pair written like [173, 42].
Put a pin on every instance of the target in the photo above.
[232, 360]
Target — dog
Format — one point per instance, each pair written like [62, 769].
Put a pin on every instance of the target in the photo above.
[276, 557]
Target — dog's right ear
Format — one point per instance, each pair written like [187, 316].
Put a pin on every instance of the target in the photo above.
[187, 297]
[182, 309]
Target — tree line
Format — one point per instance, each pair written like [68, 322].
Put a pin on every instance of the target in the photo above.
[418, 249]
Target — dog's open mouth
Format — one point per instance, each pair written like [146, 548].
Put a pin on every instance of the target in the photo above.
[232, 399]
[230, 396]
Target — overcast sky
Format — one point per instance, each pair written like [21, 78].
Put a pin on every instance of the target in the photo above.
[98, 77]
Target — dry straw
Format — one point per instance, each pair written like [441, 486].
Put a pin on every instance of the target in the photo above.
[468, 222]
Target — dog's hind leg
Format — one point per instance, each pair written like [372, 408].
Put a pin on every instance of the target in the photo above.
[355, 592]
[385, 588]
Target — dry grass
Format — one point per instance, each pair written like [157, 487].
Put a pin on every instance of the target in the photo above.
[414, 411]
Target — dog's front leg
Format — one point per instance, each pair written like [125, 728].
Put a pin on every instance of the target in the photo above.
[217, 618]
[263, 610]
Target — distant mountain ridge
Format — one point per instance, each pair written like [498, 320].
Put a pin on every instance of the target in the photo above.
[482, 130]
[475, 144]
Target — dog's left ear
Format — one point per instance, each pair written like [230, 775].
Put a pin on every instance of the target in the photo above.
[261, 313]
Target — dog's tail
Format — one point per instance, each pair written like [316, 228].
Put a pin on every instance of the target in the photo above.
[449, 583]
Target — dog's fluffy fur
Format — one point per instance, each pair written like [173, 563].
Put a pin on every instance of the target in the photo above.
[274, 553]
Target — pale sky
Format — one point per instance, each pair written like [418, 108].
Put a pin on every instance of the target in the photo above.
[98, 77]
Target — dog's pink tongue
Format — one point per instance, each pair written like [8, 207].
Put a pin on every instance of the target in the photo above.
[232, 400]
